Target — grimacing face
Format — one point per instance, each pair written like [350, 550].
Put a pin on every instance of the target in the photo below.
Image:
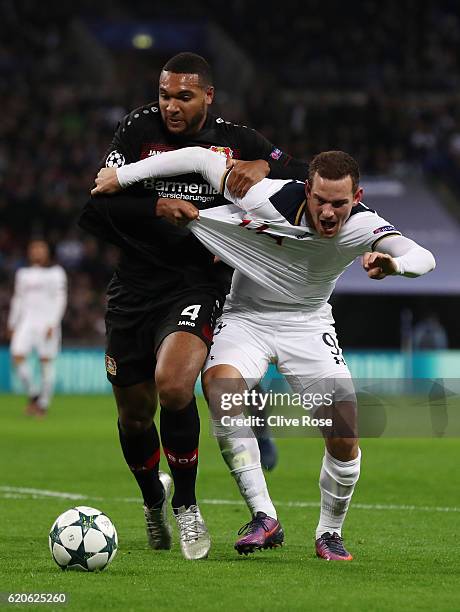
[183, 102]
[329, 203]
[38, 252]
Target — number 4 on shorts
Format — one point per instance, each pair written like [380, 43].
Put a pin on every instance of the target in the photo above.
[191, 311]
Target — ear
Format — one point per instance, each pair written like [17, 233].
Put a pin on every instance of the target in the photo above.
[209, 95]
[307, 188]
[358, 196]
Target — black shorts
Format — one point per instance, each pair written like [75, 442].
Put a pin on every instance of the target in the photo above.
[136, 326]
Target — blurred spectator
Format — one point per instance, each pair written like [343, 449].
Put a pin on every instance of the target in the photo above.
[429, 334]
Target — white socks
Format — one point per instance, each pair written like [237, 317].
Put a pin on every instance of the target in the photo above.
[336, 482]
[47, 389]
[47, 381]
[240, 451]
[25, 376]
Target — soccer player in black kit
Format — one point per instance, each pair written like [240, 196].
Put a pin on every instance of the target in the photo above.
[167, 291]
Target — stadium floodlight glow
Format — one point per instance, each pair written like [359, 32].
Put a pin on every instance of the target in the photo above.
[142, 41]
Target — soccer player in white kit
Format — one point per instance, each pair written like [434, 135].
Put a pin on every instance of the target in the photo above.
[34, 322]
[303, 238]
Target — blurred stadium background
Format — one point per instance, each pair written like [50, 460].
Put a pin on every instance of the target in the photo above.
[378, 80]
[382, 85]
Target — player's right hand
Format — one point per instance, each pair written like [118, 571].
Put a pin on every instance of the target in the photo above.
[106, 181]
[379, 265]
[178, 212]
[244, 175]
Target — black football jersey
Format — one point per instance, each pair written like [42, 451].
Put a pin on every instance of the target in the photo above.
[156, 256]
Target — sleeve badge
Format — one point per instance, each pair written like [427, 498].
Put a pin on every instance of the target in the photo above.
[114, 160]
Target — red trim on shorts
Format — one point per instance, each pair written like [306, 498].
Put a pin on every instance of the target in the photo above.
[207, 332]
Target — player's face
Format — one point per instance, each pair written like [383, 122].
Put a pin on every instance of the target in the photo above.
[329, 204]
[183, 102]
[38, 253]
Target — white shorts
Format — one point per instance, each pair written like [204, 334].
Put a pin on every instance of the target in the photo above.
[303, 346]
[29, 335]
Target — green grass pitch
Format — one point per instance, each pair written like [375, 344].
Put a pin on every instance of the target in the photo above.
[402, 529]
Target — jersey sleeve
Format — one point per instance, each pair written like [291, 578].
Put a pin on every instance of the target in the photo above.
[364, 229]
[282, 165]
[411, 259]
[121, 149]
[101, 215]
[209, 164]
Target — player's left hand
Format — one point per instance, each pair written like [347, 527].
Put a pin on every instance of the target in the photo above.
[106, 181]
[244, 175]
[378, 265]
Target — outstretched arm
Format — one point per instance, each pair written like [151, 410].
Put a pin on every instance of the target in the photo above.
[398, 255]
[211, 165]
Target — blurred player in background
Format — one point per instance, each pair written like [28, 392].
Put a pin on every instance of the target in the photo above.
[289, 242]
[34, 322]
[167, 291]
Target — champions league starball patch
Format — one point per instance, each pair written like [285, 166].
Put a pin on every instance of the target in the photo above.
[114, 160]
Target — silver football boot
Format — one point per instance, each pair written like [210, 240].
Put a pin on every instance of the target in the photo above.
[194, 537]
[159, 531]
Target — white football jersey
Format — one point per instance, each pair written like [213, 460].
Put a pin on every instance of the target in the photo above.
[280, 265]
[40, 296]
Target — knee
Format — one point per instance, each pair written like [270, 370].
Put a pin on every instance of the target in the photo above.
[343, 449]
[133, 425]
[207, 381]
[222, 379]
[174, 393]
[135, 415]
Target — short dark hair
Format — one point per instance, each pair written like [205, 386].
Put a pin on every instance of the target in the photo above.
[334, 165]
[190, 63]
[37, 238]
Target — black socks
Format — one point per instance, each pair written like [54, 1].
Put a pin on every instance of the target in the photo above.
[142, 454]
[180, 432]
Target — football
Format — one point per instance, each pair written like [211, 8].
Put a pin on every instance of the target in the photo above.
[83, 538]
